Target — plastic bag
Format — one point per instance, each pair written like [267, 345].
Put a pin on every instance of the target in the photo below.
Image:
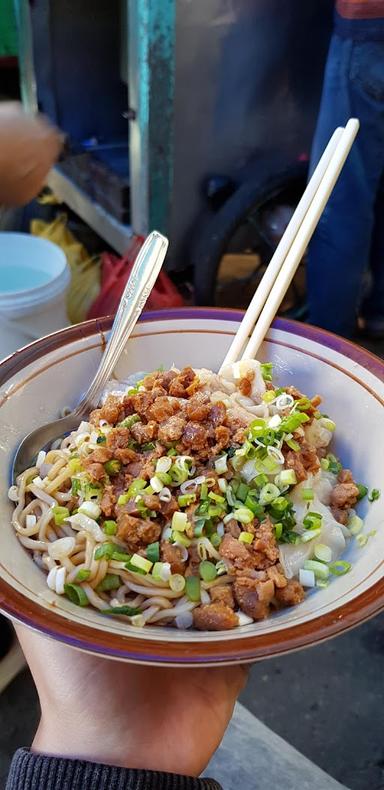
[114, 275]
[85, 269]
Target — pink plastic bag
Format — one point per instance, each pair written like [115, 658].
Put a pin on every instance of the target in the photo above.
[114, 275]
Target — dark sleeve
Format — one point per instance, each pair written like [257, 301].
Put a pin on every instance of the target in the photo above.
[31, 771]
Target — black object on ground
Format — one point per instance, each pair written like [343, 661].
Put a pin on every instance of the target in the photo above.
[6, 636]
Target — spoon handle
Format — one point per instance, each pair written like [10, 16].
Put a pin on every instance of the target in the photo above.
[143, 276]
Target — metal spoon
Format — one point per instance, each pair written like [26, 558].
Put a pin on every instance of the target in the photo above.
[142, 279]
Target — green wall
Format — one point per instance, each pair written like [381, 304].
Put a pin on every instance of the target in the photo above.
[8, 38]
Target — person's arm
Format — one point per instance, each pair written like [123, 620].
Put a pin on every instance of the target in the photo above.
[29, 146]
[125, 724]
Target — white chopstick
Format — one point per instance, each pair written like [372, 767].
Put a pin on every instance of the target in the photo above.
[259, 299]
[319, 188]
[302, 239]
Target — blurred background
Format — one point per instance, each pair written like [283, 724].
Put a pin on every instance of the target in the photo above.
[195, 118]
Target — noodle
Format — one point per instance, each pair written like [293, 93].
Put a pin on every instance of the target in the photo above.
[188, 500]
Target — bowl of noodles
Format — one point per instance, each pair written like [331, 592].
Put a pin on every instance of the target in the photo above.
[194, 518]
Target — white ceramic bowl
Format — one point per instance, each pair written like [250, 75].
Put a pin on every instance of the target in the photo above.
[38, 381]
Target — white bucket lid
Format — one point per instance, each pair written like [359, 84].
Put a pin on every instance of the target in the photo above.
[34, 254]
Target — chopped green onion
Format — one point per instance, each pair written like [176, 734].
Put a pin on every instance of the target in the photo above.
[307, 578]
[278, 530]
[138, 562]
[363, 491]
[163, 464]
[76, 486]
[323, 583]
[123, 499]
[157, 484]
[171, 452]
[242, 492]
[257, 427]
[110, 527]
[323, 552]
[269, 396]
[362, 540]
[112, 467]
[339, 567]
[204, 491]
[293, 445]
[292, 422]
[104, 551]
[374, 494]
[355, 525]
[60, 514]
[83, 575]
[130, 611]
[217, 497]
[161, 571]
[76, 594]
[243, 515]
[324, 463]
[221, 465]
[129, 421]
[177, 582]
[254, 506]
[74, 465]
[179, 537]
[333, 464]
[312, 520]
[302, 404]
[92, 491]
[165, 478]
[223, 485]
[215, 540]
[307, 494]
[110, 582]
[310, 535]
[320, 570]
[230, 497]
[260, 481]
[179, 521]
[186, 499]
[221, 568]
[208, 571]
[101, 439]
[120, 556]
[291, 537]
[153, 552]
[280, 504]
[245, 537]
[268, 493]
[133, 491]
[266, 369]
[181, 469]
[286, 478]
[192, 588]
[199, 527]
[328, 424]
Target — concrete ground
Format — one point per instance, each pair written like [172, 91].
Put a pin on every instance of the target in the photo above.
[327, 702]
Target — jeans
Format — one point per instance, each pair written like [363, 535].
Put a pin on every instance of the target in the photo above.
[347, 248]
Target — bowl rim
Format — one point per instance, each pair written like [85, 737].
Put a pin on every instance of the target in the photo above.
[203, 652]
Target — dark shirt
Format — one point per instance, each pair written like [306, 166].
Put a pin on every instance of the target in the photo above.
[31, 771]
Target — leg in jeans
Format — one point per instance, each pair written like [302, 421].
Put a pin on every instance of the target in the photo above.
[372, 308]
[339, 251]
